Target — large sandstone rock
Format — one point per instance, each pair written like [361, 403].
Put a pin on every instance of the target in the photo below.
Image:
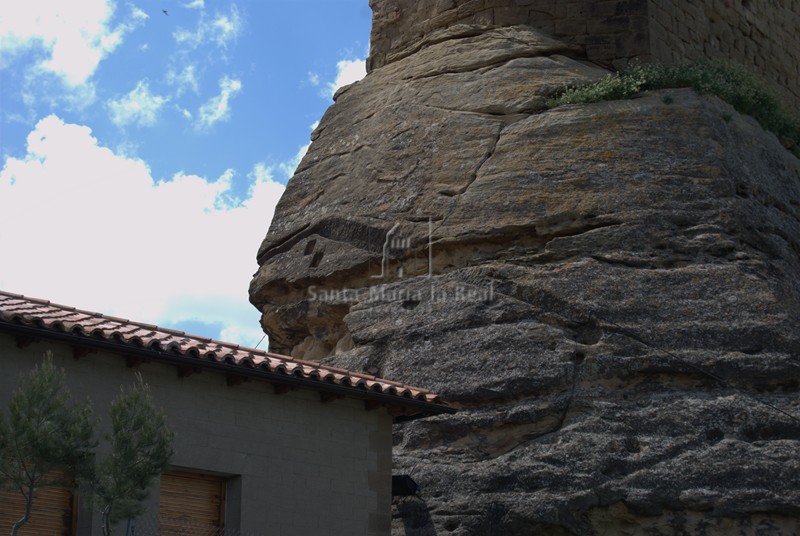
[610, 293]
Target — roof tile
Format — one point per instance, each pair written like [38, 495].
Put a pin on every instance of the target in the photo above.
[16, 308]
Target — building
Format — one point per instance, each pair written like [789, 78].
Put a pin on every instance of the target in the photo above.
[265, 444]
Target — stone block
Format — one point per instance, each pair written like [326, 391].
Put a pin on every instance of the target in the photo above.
[604, 8]
[542, 22]
[571, 9]
[544, 6]
[469, 8]
[614, 24]
[601, 53]
[484, 17]
[509, 16]
[631, 44]
[570, 27]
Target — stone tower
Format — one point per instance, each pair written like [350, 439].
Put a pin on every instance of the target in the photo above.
[762, 36]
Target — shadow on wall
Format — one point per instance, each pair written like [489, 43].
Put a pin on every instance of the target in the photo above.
[415, 515]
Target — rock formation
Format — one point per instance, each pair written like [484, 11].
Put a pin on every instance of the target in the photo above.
[609, 293]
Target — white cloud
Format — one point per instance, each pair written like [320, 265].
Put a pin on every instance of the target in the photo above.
[99, 233]
[195, 4]
[186, 79]
[313, 79]
[127, 149]
[217, 108]
[185, 113]
[74, 36]
[49, 90]
[287, 169]
[139, 107]
[347, 72]
[138, 14]
[221, 30]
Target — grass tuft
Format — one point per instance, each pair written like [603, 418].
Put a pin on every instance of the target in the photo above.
[733, 84]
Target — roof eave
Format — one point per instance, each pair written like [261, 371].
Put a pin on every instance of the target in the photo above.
[410, 407]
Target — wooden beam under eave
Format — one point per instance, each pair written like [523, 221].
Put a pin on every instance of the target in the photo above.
[398, 411]
[326, 397]
[281, 389]
[186, 371]
[135, 362]
[372, 405]
[81, 351]
[24, 341]
[235, 379]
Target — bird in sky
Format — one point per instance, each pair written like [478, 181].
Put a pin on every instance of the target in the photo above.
[165, 12]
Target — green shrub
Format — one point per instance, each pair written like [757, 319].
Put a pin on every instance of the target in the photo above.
[732, 83]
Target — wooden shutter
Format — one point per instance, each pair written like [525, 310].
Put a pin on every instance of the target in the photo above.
[191, 504]
[52, 514]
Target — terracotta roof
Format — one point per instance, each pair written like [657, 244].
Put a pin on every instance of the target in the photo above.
[125, 336]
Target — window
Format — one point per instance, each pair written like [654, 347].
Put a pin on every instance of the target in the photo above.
[53, 511]
[191, 503]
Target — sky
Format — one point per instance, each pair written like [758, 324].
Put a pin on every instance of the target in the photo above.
[144, 145]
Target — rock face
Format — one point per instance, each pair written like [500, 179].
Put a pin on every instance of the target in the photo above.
[609, 293]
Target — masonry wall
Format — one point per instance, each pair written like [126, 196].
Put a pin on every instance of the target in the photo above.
[763, 35]
[606, 30]
[759, 34]
[296, 466]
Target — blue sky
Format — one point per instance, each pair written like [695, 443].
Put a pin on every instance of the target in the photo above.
[143, 153]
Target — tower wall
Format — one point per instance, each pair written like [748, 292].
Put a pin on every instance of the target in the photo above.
[762, 36]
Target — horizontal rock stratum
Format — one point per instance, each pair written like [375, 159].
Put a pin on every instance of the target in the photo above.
[609, 293]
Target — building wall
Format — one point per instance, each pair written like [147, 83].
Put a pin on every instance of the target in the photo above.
[761, 35]
[297, 466]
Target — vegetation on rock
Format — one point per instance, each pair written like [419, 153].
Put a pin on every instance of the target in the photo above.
[735, 85]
